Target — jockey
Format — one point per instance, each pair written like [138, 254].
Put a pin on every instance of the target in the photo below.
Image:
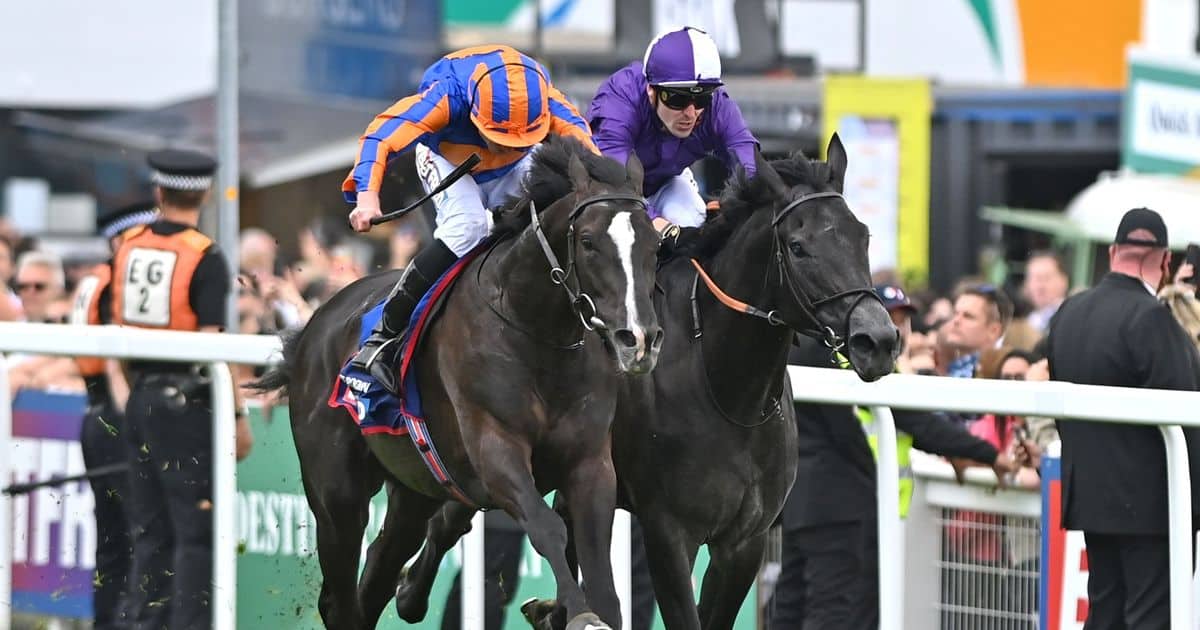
[491, 100]
[670, 110]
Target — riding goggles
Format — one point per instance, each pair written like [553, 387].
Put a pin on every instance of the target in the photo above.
[679, 98]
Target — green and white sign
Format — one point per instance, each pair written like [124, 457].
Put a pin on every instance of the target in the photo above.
[278, 574]
[1161, 124]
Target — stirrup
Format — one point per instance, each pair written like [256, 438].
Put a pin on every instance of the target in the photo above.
[384, 372]
[378, 352]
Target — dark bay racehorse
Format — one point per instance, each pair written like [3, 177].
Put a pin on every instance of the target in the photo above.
[706, 449]
[519, 397]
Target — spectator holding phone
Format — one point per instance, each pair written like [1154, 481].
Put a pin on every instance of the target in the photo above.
[1180, 295]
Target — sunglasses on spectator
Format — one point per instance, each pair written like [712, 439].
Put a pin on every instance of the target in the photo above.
[36, 286]
[62, 319]
[1012, 377]
[998, 300]
[679, 99]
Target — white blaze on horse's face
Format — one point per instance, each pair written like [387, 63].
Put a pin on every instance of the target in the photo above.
[621, 232]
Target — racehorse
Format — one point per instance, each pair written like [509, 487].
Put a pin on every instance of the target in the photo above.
[706, 449]
[519, 396]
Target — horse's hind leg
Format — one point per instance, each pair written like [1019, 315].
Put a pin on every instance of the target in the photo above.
[730, 575]
[444, 529]
[340, 475]
[402, 533]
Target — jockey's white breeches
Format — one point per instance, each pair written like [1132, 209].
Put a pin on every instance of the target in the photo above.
[679, 201]
[463, 219]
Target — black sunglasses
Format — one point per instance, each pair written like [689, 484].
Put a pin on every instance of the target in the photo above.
[36, 286]
[679, 98]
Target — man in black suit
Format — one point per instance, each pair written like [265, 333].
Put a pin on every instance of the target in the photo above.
[830, 574]
[1114, 476]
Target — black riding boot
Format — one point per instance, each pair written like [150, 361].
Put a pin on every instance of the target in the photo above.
[378, 353]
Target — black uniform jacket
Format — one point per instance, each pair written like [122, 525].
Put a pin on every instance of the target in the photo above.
[835, 478]
[1114, 476]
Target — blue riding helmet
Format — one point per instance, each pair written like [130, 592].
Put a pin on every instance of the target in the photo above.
[683, 58]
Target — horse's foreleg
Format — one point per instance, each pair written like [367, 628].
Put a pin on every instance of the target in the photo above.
[443, 531]
[731, 572]
[504, 466]
[671, 558]
[592, 496]
[402, 533]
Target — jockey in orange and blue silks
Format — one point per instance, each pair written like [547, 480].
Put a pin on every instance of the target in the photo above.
[490, 100]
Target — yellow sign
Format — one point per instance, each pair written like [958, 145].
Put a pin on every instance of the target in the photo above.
[901, 108]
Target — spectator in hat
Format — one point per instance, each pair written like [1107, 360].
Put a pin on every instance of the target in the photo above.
[1114, 476]
[167, 275]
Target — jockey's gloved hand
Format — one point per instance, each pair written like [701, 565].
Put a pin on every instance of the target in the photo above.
[671, 237]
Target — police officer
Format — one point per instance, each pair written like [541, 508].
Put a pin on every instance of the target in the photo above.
[1115, 476]
[169, 276]
[103, 423]
[830, 573]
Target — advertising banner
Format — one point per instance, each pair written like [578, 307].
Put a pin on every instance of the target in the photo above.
[885, 126]
[1161, 124]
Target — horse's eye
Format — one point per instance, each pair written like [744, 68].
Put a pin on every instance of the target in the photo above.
[586, 242]
[797, 249]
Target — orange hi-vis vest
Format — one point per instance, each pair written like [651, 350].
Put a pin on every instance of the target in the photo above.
[85, 311]
[153, 278]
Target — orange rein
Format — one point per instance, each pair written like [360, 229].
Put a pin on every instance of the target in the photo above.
[731, 302]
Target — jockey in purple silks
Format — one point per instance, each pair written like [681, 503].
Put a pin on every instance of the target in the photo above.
[670, 110]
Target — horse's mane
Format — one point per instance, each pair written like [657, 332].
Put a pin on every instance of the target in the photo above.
[548, 180]
[745, 195]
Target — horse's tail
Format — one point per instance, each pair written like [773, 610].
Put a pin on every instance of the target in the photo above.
[279, 375]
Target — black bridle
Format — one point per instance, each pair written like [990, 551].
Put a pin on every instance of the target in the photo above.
[580, 300]
[816, 330]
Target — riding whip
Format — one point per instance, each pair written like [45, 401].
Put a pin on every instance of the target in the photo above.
[99, 471]
[455, 175]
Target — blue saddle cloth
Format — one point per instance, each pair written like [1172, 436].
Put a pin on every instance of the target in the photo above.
[373, 407]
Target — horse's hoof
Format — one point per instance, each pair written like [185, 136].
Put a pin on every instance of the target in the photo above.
[587, 621]
[539, 613]
[409, 607]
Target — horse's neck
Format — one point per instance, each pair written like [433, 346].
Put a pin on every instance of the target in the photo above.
[521, 280]
[744, 355]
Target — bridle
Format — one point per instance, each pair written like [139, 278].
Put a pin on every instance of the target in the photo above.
[581, 303]
[813, 327]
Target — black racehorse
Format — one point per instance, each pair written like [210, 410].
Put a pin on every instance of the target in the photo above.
[706, 449]
[519, 396]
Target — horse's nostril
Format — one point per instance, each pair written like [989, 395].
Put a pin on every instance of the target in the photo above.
[625, 337]
[861, 343]
[658, 340]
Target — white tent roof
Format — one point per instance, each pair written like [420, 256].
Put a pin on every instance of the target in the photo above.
[1097, 210]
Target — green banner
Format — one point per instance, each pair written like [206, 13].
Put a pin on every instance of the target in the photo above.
[278, 574]
[1160, 126]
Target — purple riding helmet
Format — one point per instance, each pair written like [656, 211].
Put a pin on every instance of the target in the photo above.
[685, 58]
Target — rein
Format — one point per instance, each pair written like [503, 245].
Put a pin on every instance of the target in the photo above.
[825, 334]
[580, 300]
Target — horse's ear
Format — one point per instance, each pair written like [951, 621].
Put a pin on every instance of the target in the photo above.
[634, 172]
[836, 158]
[764, 170]
[579, 173]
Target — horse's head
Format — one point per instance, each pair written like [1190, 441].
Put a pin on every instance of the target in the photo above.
[610, 246]
[821, 254]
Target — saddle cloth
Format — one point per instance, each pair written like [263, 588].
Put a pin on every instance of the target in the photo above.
[372, 407]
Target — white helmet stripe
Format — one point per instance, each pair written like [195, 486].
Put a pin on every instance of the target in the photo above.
[705, 58]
